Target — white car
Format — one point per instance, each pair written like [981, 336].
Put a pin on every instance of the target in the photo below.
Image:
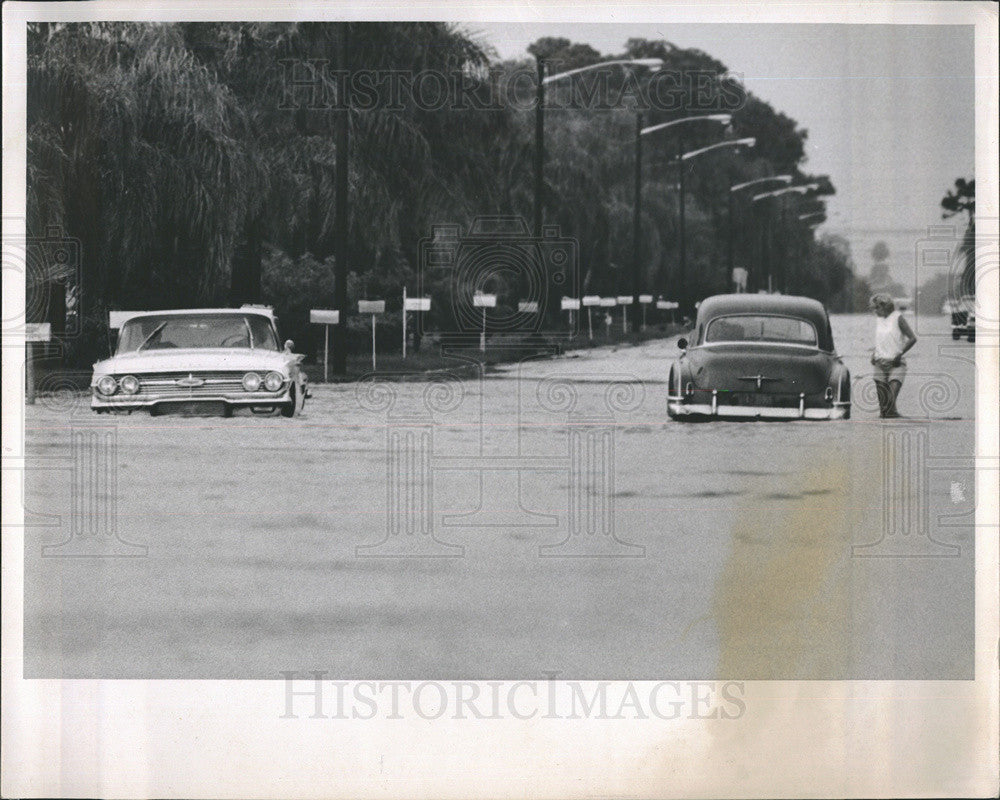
[213, 358]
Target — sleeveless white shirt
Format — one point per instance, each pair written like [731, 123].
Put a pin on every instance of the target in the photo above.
[889, 338]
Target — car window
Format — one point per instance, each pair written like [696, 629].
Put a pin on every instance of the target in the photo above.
[760, 328]
[197, 331]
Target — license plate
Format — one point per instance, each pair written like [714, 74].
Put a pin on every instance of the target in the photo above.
[752, 399]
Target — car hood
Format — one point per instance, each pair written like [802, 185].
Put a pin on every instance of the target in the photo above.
[194, 360]
[790, 369]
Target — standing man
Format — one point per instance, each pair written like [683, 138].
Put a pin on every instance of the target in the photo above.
[893, 338]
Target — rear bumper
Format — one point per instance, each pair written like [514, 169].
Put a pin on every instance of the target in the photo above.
[679, 409]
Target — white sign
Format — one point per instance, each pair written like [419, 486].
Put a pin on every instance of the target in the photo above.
[667, 304]
[371, 306]
[625, 300]
[117, 318]
[528, 306]
[645, 298]
[591, 300]
[37, 331]
[570, 304]
[484, 300]
[608, 302]
[417, 304]
[323, 316]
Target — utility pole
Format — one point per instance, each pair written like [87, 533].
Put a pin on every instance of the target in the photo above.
[637, 214]
[539, 144]
[682, 271]
[342, 113]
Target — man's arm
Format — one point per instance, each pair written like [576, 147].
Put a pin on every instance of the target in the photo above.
[911, 338]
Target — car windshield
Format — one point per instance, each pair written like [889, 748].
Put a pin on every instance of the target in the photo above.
[760, 328]
[157, 332]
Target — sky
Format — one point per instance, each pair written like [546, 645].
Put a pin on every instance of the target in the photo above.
[889, 110]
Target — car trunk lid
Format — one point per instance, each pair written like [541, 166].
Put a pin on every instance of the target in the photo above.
[756, 369]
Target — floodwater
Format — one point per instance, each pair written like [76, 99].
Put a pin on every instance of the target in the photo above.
[547, 519]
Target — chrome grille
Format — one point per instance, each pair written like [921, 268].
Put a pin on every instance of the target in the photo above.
[165, 385]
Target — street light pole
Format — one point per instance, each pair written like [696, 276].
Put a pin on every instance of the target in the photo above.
[539, 145]
[682, 236]
[341, 142]
[637, 213]
[731, 236]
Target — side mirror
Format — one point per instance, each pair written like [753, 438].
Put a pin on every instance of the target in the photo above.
[289, 345]
[682, 343]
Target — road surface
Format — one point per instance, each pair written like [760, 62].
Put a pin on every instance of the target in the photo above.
[549, 518]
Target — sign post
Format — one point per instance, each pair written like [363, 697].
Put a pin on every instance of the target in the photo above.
[413, 304]
[33, 332]
[740, 276]
[609, 303]
[373, 307]
[667, 305]
[590, 301]
[326, 318]
[645, 300]
[570, 304]
[625, 301]
[483, 301]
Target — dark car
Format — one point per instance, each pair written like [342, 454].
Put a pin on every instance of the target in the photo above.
[759, 357]
[963, 317]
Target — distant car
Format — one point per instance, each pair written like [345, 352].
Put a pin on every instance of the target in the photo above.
[217, 358]
[963, 317]
[759, 357]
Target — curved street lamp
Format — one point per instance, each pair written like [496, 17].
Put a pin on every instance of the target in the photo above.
[640, 131]
[652, 63]
[749, 141]
[802, 189]
[757, 181]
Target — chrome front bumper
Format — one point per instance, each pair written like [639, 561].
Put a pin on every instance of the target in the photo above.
[716, 410]
[99, 402]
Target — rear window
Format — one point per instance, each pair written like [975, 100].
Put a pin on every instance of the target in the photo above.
[760, 328]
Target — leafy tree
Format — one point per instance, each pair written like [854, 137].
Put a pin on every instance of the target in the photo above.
[194, 173]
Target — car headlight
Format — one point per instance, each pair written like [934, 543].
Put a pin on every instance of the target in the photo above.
[251, 382]
[129, 384]
[107, 385]
[274, 381]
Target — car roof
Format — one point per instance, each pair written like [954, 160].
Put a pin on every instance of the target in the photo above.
[780, 304]
[119, 318]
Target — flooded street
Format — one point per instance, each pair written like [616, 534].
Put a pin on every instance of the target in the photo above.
[548, 519]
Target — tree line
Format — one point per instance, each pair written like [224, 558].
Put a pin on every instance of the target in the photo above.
[194, 167]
